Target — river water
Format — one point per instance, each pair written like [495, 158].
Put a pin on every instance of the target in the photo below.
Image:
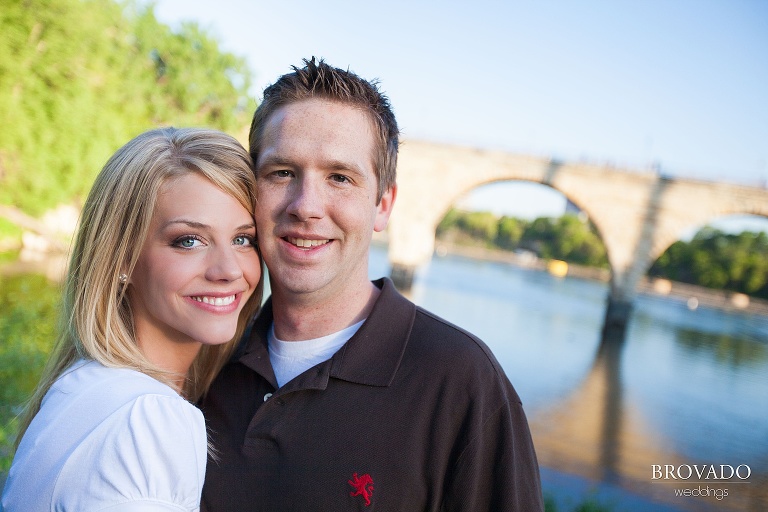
[685, 388]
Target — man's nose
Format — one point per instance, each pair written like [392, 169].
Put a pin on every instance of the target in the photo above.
[306, 199]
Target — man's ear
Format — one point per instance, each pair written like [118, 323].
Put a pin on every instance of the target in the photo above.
[384, 209]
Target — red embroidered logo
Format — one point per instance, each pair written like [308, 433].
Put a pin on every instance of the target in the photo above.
[363, 487]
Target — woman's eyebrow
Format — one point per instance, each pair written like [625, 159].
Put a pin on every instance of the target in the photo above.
[190, 223]
[200, 225]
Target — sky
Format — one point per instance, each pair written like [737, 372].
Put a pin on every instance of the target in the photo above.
[678, 85]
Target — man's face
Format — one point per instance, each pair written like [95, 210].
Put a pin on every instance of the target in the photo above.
[316, 199]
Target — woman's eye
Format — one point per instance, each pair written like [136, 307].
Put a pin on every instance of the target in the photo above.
[243, 240]
[187, 242]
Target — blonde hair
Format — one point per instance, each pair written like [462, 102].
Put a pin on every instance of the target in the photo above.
[97, 323]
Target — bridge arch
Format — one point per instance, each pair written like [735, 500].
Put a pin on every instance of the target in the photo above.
[638, 214]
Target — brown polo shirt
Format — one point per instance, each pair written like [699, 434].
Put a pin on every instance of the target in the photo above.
[411, 414]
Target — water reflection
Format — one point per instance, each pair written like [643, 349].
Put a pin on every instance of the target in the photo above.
[725, 348]
[597, 432]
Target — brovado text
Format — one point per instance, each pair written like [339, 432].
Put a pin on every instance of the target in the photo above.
[699, 471]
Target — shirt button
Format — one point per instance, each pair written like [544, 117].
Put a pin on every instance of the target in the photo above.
[267, 396]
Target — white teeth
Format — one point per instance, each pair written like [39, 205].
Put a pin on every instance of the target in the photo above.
[303, 242]
[216, 301]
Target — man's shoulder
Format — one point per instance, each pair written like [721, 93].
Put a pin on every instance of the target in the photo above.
[457, 357]
[444, 335]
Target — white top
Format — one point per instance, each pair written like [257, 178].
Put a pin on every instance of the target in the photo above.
[292, 358]
[109, 439]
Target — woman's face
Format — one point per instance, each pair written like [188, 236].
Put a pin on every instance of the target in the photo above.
[195, 272]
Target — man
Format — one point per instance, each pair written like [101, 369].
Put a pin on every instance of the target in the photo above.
[345, 395]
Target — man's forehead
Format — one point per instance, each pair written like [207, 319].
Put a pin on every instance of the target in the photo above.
[316, 109]
[327, 130]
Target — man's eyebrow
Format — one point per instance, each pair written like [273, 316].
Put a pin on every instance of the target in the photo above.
[275, 160]
[339, 165]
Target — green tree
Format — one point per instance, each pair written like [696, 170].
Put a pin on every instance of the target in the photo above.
[736, 262]
[482, 226]
[449, 222]
[79, 78]
[28, 315]
[539, 237]
[509, 233]
[565, 238]
[577, 242]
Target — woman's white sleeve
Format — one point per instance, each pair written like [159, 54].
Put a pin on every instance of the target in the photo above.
[149, 455]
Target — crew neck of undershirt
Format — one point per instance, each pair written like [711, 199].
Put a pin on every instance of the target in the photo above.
[291, 358]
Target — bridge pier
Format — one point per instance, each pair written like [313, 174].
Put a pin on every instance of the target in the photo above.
[617, 313]
[402, 276]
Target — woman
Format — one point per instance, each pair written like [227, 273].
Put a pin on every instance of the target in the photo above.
[163, 277]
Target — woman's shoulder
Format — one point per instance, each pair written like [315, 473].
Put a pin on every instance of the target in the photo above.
[138, 439]
[120, 398]
[91, 403]
[89, 393]
[151, 450]
[88, 375]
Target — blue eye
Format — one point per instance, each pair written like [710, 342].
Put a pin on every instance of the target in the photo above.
[243, 240]
[187, 242]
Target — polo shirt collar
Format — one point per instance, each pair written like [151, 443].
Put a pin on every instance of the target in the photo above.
[371, 356]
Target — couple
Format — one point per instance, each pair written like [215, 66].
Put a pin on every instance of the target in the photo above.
[340, 394]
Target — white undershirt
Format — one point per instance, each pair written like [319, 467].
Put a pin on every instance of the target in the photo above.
[292, 358]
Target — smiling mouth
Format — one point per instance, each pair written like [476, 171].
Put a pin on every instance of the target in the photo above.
[304, 243]
[215, 301]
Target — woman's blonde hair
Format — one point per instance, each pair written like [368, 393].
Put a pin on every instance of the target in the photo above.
[97, 323]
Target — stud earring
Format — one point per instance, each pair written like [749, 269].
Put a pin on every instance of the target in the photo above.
[123, 278]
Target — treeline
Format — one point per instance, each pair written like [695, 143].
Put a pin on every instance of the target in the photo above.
[713, 258]
[566, 238]
[79, 78]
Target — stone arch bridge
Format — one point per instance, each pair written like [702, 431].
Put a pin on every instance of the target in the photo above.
[638, 214]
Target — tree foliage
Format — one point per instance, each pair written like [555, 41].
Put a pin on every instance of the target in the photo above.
[715, 259]
[79, 78]
[29, 306]
[565, 238]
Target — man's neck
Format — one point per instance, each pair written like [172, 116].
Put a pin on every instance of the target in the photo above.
[298, 318]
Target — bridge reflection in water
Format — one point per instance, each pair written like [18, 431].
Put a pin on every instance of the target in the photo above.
[595, 432]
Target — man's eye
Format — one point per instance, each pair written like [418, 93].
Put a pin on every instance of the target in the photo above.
[282, 173]
[340, 178]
